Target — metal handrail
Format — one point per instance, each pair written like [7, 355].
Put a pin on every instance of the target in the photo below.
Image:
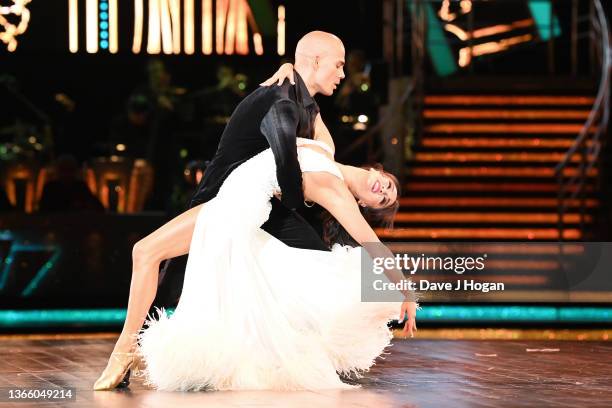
[589, 155]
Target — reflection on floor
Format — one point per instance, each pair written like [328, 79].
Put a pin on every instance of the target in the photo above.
[426, 371]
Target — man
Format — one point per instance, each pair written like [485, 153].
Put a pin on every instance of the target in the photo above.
[273, 117]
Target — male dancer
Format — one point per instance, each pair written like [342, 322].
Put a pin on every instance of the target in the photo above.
[268, 117]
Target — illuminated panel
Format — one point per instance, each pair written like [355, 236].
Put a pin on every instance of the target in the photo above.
[257, 43]
[207, 26]
[188, 21]
[113, 29]
[166, 26]
[91, 19]
[242, 35]
[175, 16]
[154, 38]
[138, 25]
[280, 44]
[222, 7]
[230, 30]
[73, 25]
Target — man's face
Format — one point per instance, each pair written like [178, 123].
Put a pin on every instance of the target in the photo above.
[329, 70]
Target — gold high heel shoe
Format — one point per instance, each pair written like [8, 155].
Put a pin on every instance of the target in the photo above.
[117, 370]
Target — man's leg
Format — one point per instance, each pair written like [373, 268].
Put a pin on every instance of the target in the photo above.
[292, 229]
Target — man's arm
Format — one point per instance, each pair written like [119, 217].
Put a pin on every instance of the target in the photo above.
[279, 126]
[322, 133]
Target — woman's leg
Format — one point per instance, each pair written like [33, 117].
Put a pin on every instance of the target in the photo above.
[168, 241]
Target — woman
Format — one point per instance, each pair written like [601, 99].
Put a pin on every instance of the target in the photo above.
[255, 313]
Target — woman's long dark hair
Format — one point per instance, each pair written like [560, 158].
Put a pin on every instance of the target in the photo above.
[334, 233]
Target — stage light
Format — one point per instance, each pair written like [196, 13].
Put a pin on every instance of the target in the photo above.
[183, 153]
[154, 37]
[103, 6]
[104, 16]
[104, 35]
[221, 12]
[258, 44]
[91, 38]
[364, 87]
[189, 30]
[138, 26]
[362, 118]
[73, 26]
[32, 139]
[166, 27]
[114, 26]
[120, 147]
[104, 44]
[104, 25]
[207, 27]
[280, 42]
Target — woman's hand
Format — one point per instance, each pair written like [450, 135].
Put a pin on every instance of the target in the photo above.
[408, 308]
[285, 71]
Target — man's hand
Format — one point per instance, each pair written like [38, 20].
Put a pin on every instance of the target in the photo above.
[410, 327]
[285, 71]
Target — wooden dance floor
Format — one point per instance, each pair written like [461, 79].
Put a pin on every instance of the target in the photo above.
[417, 373]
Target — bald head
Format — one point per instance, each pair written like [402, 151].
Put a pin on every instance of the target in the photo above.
[317, 44]
[319, 59]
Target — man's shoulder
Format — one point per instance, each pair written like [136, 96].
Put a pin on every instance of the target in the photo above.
[272, 94]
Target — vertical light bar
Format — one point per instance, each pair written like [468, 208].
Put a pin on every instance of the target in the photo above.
[113, 26]
[166, 26]
[280, 31]
[138, 26]
[207, 26]
[73, 25]
[222, 6]
[258, 44]
[91, 21]
[242, 34]
[230, 32]
[188, 16]
[175, 16]
[154, 38]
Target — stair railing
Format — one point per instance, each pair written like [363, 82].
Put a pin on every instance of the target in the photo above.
[588, 143]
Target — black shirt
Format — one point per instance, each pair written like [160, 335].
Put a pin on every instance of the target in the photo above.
[269, 117]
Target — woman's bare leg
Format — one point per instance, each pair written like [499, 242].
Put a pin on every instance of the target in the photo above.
[168, 241]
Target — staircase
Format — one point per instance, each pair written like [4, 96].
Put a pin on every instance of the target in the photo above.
[484, 170]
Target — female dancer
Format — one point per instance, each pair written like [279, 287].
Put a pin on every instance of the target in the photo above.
[255, 313]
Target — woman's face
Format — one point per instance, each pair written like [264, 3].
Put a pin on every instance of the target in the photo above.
[376, 189]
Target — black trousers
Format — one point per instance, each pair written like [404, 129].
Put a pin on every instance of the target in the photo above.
[292, 228]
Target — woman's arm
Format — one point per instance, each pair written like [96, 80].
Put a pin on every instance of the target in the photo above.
[332, 194]
[285, 71]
